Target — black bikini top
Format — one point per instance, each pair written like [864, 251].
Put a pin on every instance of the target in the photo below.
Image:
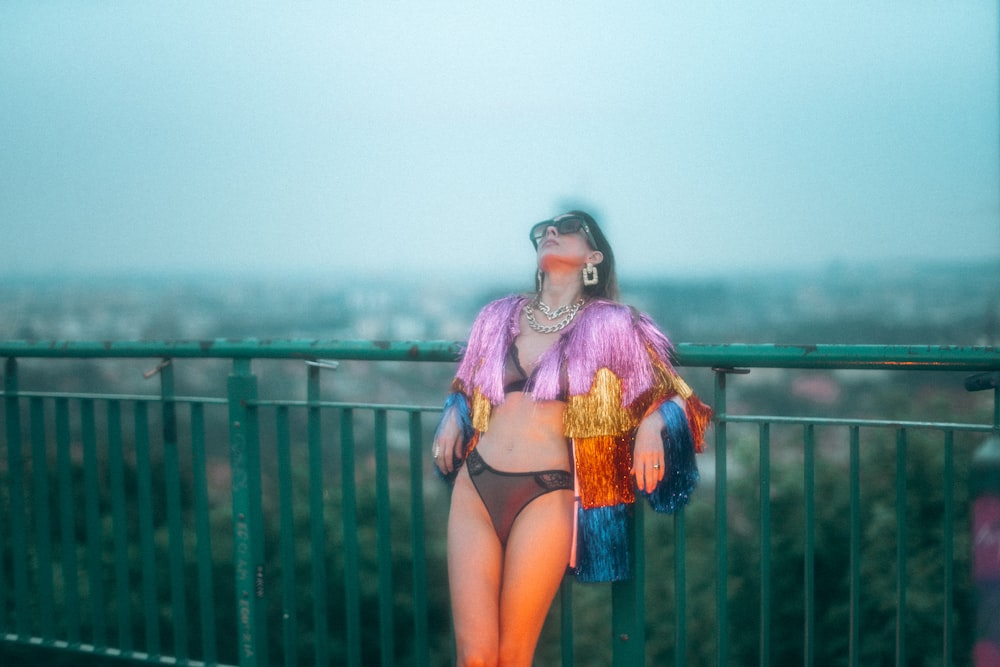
[515, 378]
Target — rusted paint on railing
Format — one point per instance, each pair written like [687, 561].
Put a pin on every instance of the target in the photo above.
[902, 357]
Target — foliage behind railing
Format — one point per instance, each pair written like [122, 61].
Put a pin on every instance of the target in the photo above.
[251, 529]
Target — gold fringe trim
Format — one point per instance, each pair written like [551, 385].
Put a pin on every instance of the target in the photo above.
[603, 466]
[599, 412]
[480, 409]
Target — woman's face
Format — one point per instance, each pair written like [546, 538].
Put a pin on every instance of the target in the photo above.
[568, 251]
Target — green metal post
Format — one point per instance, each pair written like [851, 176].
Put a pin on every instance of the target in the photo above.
[854, 645]
[147, 545]
[352, 555]
[242, 391]
[809, 566]
[119, 514]
[383, 539]
[43, 522]
[901, 547]
[421, 650]
[289, 615]
[317, 527]
[67, 521]
[175, 526]
[15, 472]
[94, 531]
[947, 613]
[680, 589]
[566, 621]
[764, 480]
[721, 559]
[628, 627]
[203, 531]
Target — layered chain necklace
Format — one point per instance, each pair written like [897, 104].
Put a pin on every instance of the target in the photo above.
[567, 313]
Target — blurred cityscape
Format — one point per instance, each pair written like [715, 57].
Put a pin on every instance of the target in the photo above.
[946, 305]
[915, 304]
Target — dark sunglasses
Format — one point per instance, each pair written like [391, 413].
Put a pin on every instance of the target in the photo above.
[564, 224]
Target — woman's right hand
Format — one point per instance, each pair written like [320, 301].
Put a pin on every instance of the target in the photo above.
[447, 446]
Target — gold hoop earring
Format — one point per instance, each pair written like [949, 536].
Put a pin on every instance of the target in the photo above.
[590, 275]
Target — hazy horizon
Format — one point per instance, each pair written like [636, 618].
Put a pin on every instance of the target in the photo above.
[426, 139]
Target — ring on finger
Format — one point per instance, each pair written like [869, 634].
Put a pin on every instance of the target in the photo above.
[656, 466]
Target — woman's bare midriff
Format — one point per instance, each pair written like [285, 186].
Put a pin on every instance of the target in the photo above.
[526, 435]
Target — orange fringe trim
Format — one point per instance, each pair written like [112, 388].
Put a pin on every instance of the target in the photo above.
[603, 467]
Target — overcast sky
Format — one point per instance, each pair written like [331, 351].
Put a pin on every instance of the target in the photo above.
[428, 136]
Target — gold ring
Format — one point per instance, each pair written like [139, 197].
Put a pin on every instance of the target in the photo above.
[656, 466]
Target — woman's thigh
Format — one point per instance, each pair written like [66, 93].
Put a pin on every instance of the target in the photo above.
[474, 570]
[535, 563]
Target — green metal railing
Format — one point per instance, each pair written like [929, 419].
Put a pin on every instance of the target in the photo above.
[242, 528]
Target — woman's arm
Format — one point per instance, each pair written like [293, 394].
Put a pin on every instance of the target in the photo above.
[453, 434]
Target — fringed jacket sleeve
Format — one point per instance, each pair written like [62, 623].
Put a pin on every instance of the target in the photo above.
[626, 360]
[478, 381]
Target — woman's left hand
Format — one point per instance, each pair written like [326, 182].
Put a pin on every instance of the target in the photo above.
[648, 462]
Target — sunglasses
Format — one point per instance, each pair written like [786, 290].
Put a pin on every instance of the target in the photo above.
[564, 224]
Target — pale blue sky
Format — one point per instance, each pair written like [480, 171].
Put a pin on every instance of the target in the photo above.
[429, 136]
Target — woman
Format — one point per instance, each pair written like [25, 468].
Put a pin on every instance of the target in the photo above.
[560, 399]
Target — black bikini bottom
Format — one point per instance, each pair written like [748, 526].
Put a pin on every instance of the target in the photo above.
[505, 494]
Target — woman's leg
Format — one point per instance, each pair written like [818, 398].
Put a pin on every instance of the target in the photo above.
[535, 563]
[474, 571]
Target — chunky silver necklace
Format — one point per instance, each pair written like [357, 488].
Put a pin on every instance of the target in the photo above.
[566, 312]
[553, 314]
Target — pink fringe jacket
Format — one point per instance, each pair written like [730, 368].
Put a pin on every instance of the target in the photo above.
[617, 364]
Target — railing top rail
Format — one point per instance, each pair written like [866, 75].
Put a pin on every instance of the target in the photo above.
[896, 357]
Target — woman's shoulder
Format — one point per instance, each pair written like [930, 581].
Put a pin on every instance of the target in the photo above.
[612, 311]
[499, 313]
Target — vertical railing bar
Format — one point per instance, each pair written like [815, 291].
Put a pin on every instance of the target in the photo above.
[809, 575]
[203, 534]
[854, 642]
[144, 492]
[421, 645]
[241, 391]
[626, 636]
[175, 526]
[119, 518]
[901, 536]
[43, 521]
[67, 523]
[721, 546]
[18, 527]
[10, 390]
[257, 539]
[638, 600]
[628, 602]
[289, 614]
[765, 544]
[317, 525]
[92, 510]
[352, 568]
[947, 613]
[680, 589]
[384, 539]
[566, 622]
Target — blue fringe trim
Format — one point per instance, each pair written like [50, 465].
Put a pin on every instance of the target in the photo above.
[456, 402]
[674, 491]
[602, 552]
